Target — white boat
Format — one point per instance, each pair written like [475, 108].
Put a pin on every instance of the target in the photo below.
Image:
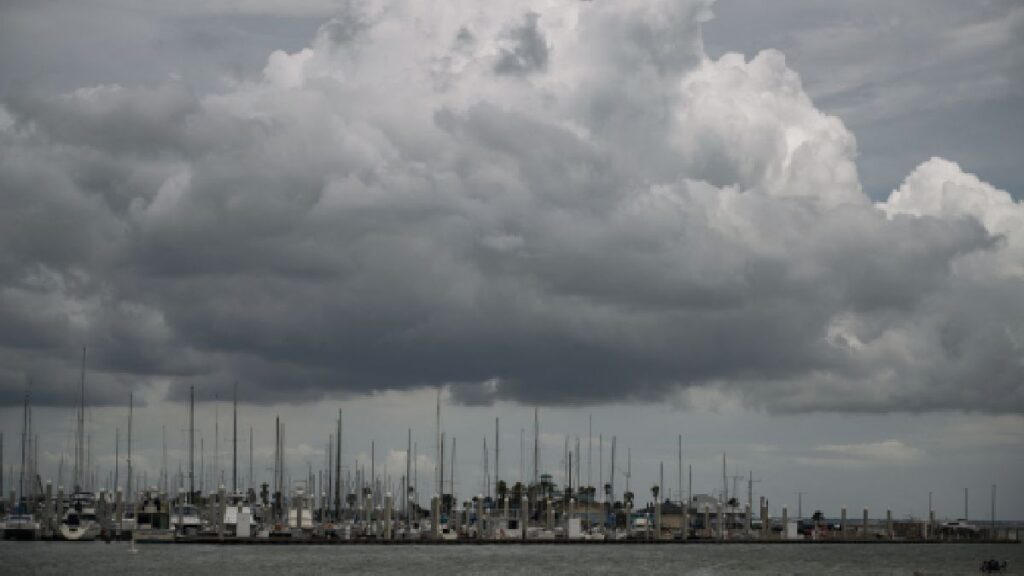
[185, 520]
[959, 525]
[79, 522]
[448, 533]
[410, 531]
[19, 526]
[237, 511]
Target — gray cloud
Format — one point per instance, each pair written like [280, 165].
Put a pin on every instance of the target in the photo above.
[528, 50]
[635, 219]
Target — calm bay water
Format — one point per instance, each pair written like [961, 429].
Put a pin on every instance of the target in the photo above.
[696, 559]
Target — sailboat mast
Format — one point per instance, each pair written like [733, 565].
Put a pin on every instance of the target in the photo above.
[497, 454]
[536, 443]
[337, 471]
[234, 442]
[24, 439]
[439, 486]
[191, 442]
[131, 409]
[80, 436]
[408, 475]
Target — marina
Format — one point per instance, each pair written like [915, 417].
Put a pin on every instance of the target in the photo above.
[350, 505]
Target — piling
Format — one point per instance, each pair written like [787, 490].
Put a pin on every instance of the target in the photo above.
[118, 512]
[888, 525]
[785, 523]
[480, 517]
[569, 517]
[746, 522]
[864, 527]
[843, 523]
[765, 527]
[387, 516]
[504, 514]
[657, 520]
[707, 522]
[720, 512]
[221, 510]
[435, 516]
[684, 521]
[524, 516]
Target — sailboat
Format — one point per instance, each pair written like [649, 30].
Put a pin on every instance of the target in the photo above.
[19, 523]
[79, 522]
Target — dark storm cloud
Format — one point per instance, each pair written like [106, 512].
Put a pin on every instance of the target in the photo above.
[599, 221]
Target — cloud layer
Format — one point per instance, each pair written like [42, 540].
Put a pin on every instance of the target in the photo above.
[550, 204]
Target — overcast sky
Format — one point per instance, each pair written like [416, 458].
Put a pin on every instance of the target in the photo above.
[790, 231]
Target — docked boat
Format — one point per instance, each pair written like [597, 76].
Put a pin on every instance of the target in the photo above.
[152, 519]
[185, 520]
[80, 522]
[20, 526]
[239, 519]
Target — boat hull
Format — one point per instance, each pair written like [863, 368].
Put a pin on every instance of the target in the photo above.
[21, 534]
[80, 533]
